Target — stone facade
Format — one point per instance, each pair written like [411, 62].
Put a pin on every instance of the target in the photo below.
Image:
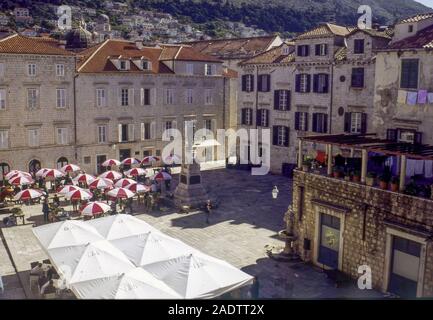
[369, 220]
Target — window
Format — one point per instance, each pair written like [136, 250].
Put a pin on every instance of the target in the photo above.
[169, 96]
[31, 69]
[264, 83]
[282, 100]
[102, 134]
[304, 51]
[320, 122]
[123, 65]
[208, 124]
[286, 50]
[4, 139]
[355, 122]
[87, 160]
[189, 93]
[357, 78]
[210, 69]
[189, 68]
[145, 96]
[247, 116]
[32, 98]
[62, 135]
[145, 65]
[61, 98]
[60, 70]
[303, 83]
[321, 49]
[280, 136]
[263, 118]
[2, 70]
[126, 132]
[409, 73]
[208, 99]
[145, 131]
[248, 83]
[358, 46]
[321, 83]
[33, 137]
[101, 98]
[301, 121]
[2, 99]
[124, 97]
[410, 28]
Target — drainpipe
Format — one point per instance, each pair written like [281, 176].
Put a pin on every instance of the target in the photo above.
[332, 97]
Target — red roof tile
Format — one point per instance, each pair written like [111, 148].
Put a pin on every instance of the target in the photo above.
[422, 40]
[20, 44]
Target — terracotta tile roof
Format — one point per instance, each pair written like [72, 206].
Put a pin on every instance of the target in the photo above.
[325, 30]
[230, 73]
[185, 53]
[20, 44]
[96, 59]
[387, 34]
[417, 18]
[273, 55]
[234, 48]
[340, 54]
[422, 40]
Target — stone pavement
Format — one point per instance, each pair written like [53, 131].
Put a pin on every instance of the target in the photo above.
[246, 220]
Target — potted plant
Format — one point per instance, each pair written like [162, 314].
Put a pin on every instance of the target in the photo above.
[370, 179]
[383, 182]
[356, 176]
[306, 165]
[395, 183]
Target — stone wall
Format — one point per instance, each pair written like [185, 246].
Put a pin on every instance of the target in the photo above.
[367, 213]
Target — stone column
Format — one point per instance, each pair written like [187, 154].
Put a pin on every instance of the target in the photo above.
[329, 153]
[300, 155]
[402, 173]
[364, 165]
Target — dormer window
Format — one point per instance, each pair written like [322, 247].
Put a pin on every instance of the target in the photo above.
[145, 65]
[410, 28]
[286, 51]
[123, 65]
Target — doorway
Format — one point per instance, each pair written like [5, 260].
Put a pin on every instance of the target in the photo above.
[329, 241]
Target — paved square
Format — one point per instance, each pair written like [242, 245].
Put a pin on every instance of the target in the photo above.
[246, 220]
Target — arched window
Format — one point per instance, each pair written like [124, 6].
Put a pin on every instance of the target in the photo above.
[34, 166]
[62, 161]
[4, 169]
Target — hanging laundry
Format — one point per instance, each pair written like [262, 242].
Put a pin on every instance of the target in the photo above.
[422, 96]
[412, 98]
[419, 166]
[428, 168]
[401, 98]
[410, 167]
[430, 97]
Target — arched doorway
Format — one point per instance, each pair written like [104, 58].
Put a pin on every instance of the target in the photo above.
[34, 166]
[62, 161]
[4, 169]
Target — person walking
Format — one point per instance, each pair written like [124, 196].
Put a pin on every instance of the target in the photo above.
[208, 211]
[45, 209]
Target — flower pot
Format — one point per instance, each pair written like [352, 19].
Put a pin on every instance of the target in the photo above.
[356, 178]
[394, 187]
[383, 185]
[369, 181]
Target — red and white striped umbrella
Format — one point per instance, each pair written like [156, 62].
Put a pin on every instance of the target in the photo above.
[66, 189]
[162, 176]
[95, 208]
[149, 160]
[21, 180]
[130, 161]
[16, 173]
[70, 168]
[122, 183]
[112, 175]
[28, 194]
[79, 194]
[173, 158]
[110, 162]
[41, 172]
[120, 193]
[136, 172]
[138, 188]
[84, 178]
[101, 183]
[52, 173]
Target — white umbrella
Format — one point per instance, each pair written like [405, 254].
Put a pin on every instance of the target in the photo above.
[149, 160]
[28, 194]
[95, 208]
[120, 193]
[147, 248]
[135, 284]
[79, 194]
[130, 161]
[21, 180]
[52, 173]
[198, 276]
[17, 173]
[66, 189]
[122, 183]
[110, 162]
[101, 183]
[41, 172]
[136, 172]
[83, 178]
[112, 175]
[162, 176]
[138, 188]
[173, 158]
[70, 168]
[120, 226]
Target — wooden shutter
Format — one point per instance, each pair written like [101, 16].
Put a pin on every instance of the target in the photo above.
[308, 83]
[252, 82]
[244, 83]
[347, 121]
[325, 123]
[153, 130]
[289, 100]
[119, 97]
[119, 128]
[286, 134]
[298, 83]
[314, 122]
[326, 49]
[259, 83]
[326, 88]
[317, 49]
[267, 118]
[268, 81]
[299, 51]
[277, 99]
[409, 73]
[306, 120]
[391, 134]
[418, 138]
[130, 132]
[275, 135]
[316, 83]
[142, 131]
[244, 116]
[297, 116]
[259, 117]
[363, 123]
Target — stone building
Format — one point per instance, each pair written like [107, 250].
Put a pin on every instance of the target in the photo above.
[36, 104]
[129, 94]
[403, 101]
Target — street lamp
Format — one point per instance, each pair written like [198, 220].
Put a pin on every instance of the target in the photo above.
[275, 192]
